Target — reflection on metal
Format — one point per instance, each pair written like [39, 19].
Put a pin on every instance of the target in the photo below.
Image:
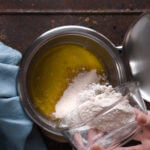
[134, 67]
[137, 53]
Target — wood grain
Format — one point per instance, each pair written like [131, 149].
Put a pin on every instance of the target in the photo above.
[19, 31]
[72, 5]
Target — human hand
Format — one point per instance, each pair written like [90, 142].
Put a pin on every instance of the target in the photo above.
[91, 134]
[144, 137]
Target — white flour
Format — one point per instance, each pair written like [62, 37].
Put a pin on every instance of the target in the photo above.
[69, 100]
[85, 98]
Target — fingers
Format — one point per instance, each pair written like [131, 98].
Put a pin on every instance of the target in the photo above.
[92, 133]
[96, 147]
[149, 113]
[141, 118]
[137, 112]
[146, 144]
[138, 147]
[144, 121]
[137, 138]
[79, 141]
[91, 139]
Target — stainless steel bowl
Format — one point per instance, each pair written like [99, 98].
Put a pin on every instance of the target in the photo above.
[86, 37]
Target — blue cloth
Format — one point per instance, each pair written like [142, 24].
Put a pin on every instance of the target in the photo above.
[16, 129]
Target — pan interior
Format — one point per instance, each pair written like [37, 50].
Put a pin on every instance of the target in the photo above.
[92, 46]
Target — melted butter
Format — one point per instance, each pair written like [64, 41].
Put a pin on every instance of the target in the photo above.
[55, 69]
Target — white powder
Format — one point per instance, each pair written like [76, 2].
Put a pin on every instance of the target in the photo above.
[69, 100]
[85, 98]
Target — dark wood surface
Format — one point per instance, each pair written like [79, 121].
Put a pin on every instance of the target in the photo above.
[21, 21]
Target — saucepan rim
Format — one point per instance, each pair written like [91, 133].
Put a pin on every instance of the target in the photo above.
[42, 40]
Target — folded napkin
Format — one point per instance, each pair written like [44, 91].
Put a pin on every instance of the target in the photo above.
[16, 129]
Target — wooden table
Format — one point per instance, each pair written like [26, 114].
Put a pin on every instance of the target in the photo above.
[21, 21]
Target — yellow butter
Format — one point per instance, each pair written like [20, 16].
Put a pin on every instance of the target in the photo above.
[55, 69]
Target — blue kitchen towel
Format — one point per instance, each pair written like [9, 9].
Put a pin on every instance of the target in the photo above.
[16, 129]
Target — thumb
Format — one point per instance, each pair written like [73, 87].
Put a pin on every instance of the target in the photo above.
[138, 147]
[96, 147]
[79, 141]
[144, 122]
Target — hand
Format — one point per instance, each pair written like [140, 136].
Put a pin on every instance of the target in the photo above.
[91, 134]
[144, 137]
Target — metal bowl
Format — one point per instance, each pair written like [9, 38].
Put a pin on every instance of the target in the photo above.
[86, 37]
